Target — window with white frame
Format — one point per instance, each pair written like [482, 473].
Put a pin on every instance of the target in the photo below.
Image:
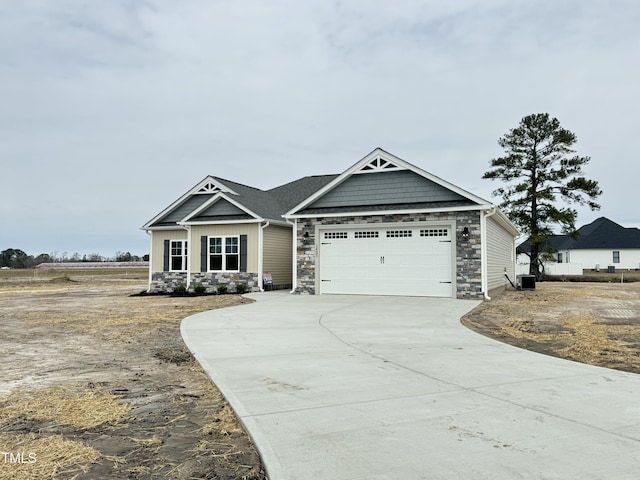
[616, 256]
[224, 254]
[559, 257]
[178, 256]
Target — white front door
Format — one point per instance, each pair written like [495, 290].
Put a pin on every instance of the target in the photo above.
[394, 260]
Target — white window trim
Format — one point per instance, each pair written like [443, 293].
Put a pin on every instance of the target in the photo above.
[224, 253]
[184, 255]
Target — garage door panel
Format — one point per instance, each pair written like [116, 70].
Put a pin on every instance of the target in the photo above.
[402, 260]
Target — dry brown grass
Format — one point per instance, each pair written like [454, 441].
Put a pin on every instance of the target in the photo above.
[49, 411]
[527, 329]
[53, 455]
[87, 408]
[45, 457]
[594, 323]
[223, 420]
[591, 342]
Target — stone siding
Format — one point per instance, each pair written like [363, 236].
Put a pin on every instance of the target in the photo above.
[467, 252]
[169, 281]
[211, 281]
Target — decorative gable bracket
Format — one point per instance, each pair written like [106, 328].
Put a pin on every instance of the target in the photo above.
[207, 188]
[210, 186]
[379, 164]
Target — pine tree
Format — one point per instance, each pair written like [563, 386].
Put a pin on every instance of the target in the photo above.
[538, 169]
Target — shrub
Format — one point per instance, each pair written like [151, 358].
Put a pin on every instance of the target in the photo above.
[200, 289]
[222, 288]
[180, 290]
[241, 287]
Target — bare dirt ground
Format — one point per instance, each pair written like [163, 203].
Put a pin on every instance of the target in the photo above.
[97, 384]
[594, 323]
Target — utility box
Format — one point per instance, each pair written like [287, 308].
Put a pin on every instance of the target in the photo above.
[526, 282]
[611, 269]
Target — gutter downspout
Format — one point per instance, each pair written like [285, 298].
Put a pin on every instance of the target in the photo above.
[261, 254]
[294, 263]
[483, 251]
[150, 233]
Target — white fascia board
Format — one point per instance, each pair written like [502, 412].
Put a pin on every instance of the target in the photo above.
[378, 152]
[224, 222]
[213, 200]
[466, 208]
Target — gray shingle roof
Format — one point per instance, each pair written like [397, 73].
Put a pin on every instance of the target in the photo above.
[293, 193]
[272, 204]
[268, 204]
[601, 233]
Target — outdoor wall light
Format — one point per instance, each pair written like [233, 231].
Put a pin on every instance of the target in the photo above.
[305, 238]
[465, 233]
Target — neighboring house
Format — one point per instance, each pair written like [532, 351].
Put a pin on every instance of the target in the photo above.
[600, 245]
[383, 227]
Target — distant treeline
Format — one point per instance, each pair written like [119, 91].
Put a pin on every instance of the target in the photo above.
[16, 258]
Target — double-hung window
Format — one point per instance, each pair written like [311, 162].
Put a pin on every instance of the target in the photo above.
[616, 256]
[178, 256]
[224, 254]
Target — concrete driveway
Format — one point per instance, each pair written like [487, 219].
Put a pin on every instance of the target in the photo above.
[359, 387]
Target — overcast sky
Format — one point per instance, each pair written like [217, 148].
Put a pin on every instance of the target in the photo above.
[111, 110]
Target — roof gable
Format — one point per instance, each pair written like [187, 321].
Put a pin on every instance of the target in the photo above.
[219, 208]
[190, 201]
[180, 210]
[362, 184]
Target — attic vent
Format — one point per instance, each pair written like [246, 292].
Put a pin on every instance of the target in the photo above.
[208, 188]
[379, 164]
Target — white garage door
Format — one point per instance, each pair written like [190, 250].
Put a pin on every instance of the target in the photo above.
[398, 260]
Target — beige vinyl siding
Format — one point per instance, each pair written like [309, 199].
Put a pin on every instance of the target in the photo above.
[248, 229]
[157, 246]
[278, 246]
[500, 255]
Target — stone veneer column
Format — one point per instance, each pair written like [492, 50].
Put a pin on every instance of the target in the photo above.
[468, 257]
[306, 257]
